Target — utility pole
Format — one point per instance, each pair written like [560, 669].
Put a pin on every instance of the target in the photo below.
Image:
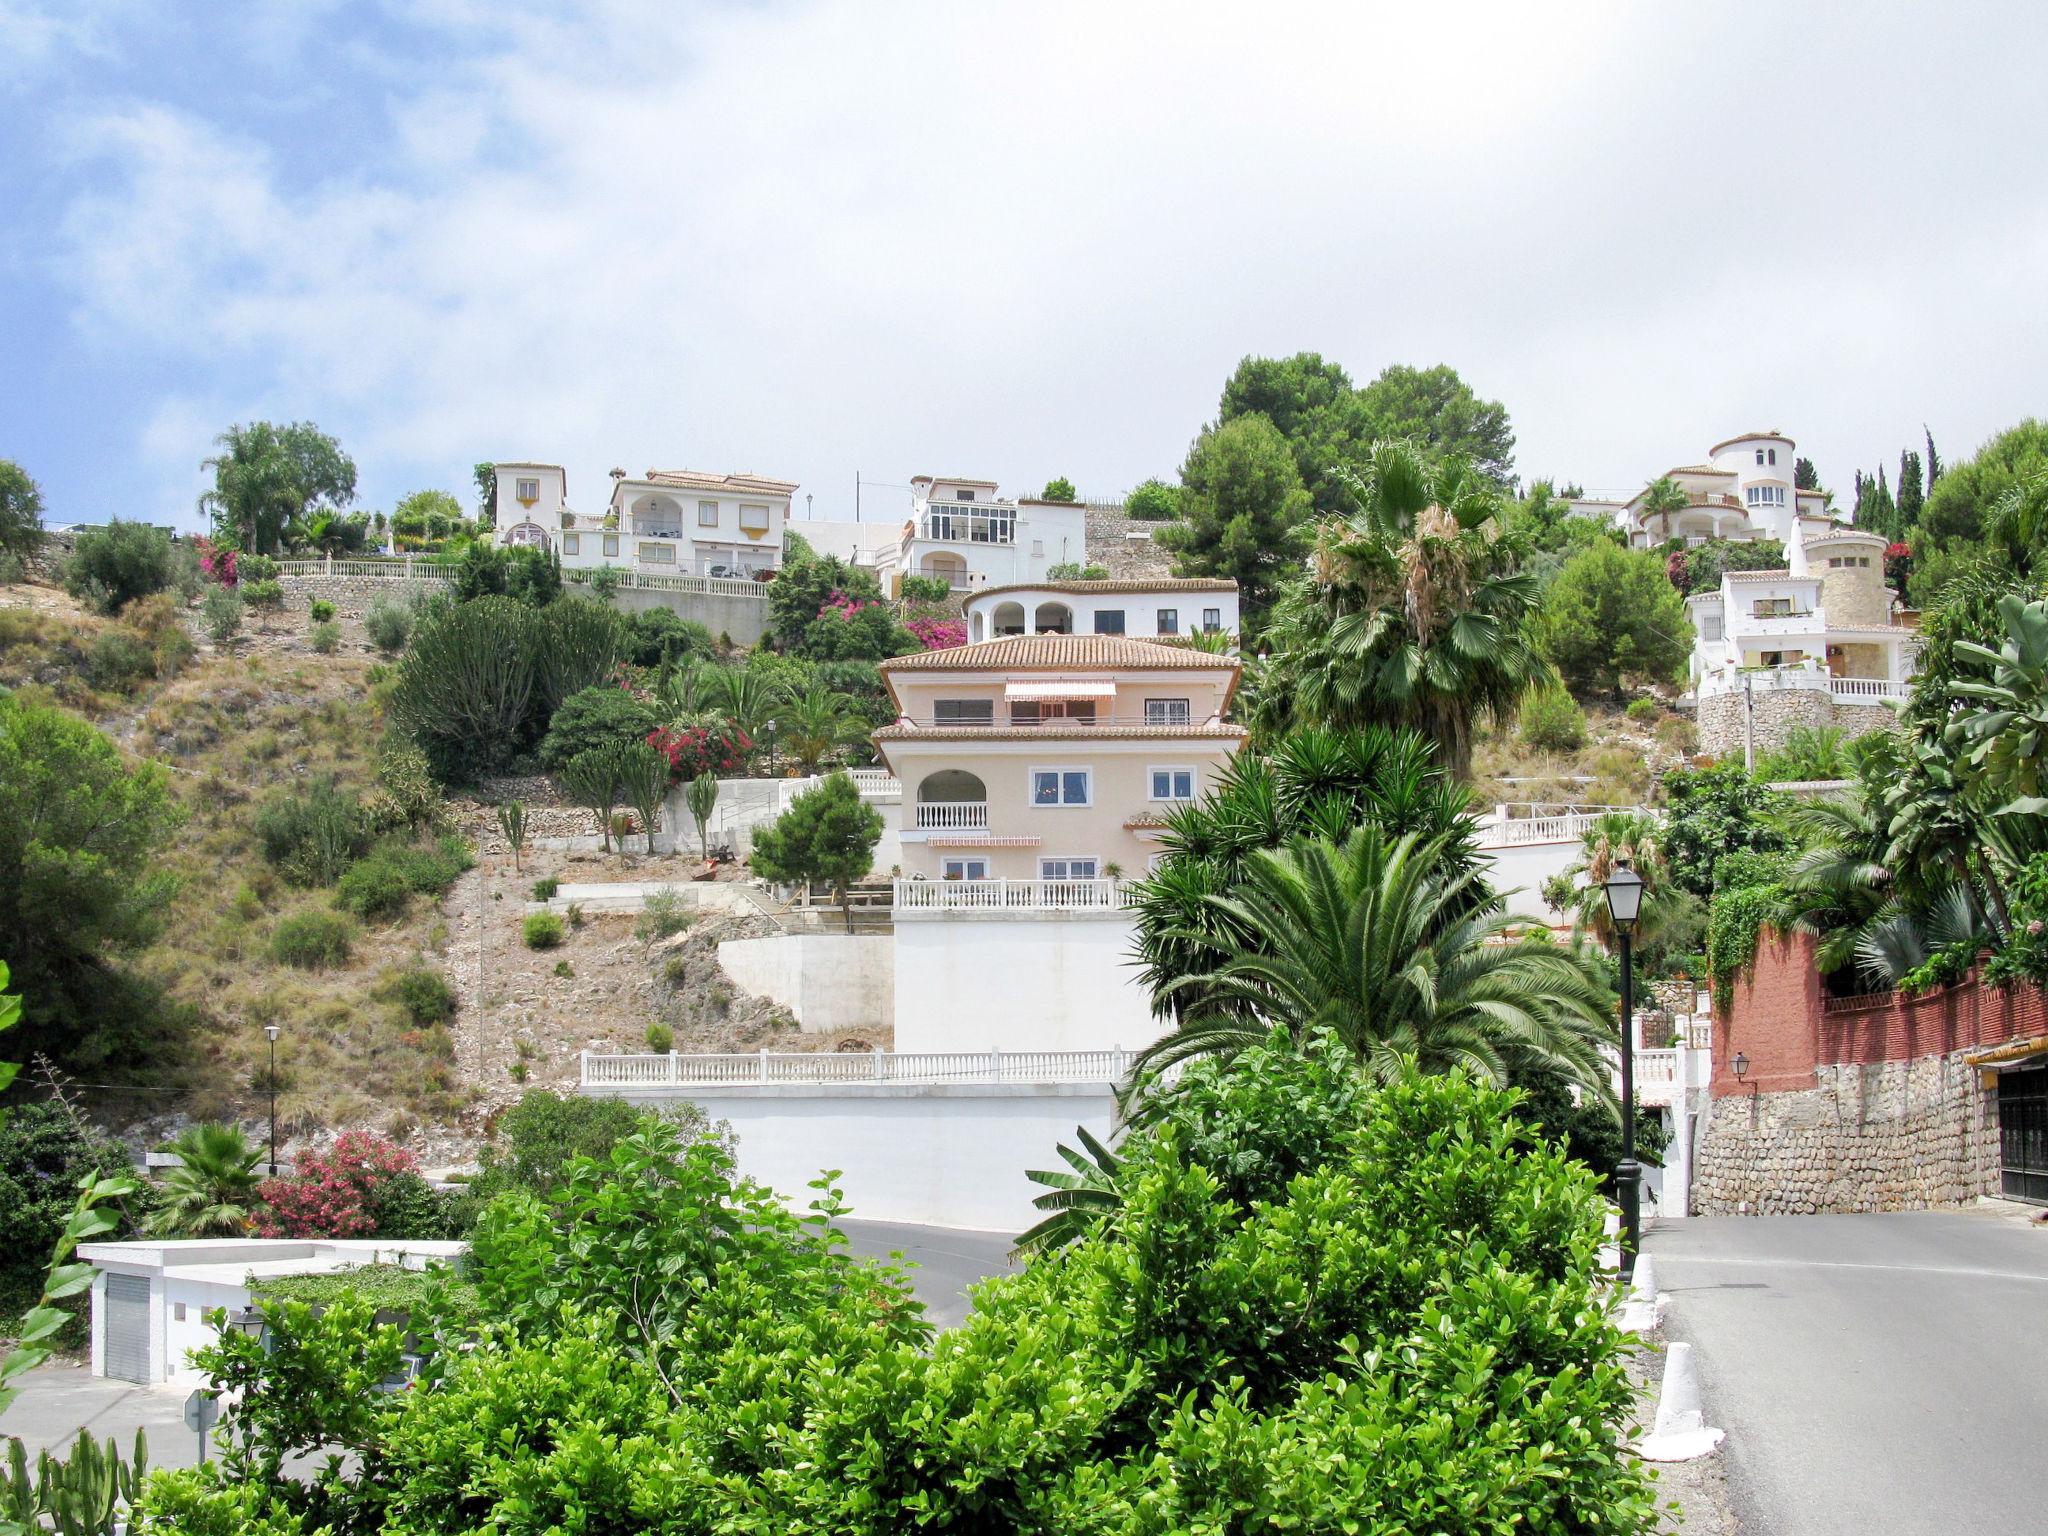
[856, 495]
[1748, 723]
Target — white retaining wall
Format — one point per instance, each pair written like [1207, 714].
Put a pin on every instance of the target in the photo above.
[1523, 867]
[1049, 981]
[830, 981]
[939, 1154]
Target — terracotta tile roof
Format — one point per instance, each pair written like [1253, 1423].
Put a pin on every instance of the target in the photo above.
[889, 733]
[1774, 575]
[1112, 588]
[702, 480]
[951, 480]
[1021, 653]
[1139, 819]
[1745, 437]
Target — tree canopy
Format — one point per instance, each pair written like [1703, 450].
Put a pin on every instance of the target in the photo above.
[1958, 503]
[267, 479]
[1612, 614]
[1244, 512]
[78, 830]
[21, 511]
[827, 834]
[1439, 410]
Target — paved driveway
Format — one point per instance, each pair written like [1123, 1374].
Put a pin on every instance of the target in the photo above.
[1881, 1373]
[58, 1401]
[948, 1259]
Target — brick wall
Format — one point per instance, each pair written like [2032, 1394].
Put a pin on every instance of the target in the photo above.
[1853, 1104]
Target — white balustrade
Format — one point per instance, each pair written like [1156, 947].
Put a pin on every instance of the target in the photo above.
[1009, 895]
[1868, 688]
[822, 1067]
[949, 815]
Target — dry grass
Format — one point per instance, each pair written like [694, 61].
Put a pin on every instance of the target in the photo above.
[1618, 765]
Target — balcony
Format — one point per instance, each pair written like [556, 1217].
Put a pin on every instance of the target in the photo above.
[952, 816]
[1861, 690]
[1099, 896]
[993, 526]
[631, 1072]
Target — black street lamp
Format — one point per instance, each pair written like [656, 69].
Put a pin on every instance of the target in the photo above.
[1624, 906]
[270, 1032]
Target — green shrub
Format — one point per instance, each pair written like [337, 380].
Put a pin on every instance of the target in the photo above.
[374, 887]
[675, 970]
[594, 719]
[925, 589]
[119, 662]
[312, 941]
[12, 569]
[575, 914]
[388, 624]
[565, 970]
[1551, 721]
[544, 889]
[1153, 502]
[424, 994]
[405, 1205]
[313, 834]
[267, 595]
[250, 567]
[112, 566]
[320, 611]
[659, 1036]
[662, 635]
[221, 614]
[664, 915]
[324, 638]
[542, 930]
[1643, 711]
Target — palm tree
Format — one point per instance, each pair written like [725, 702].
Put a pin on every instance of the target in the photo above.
[1838, 887]
[1617, 838]
[815, 723]
[1381, 943]
[211, 1191]
[1414, 612]
[744, 697]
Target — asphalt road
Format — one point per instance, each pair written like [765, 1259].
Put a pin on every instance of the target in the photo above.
[1874, 1373]
[948, 1260]
[59, 1400]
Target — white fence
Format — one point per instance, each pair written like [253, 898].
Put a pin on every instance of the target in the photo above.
[1506, 829]
[1009, 895]
[409, 569]
[763, 1067]
[944, 815]
[1868, 688]
[1803, 676]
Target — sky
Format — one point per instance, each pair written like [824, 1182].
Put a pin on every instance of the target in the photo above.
[822, 241]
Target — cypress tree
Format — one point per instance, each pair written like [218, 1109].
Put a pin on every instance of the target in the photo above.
[1910, 494]
[1933, 460]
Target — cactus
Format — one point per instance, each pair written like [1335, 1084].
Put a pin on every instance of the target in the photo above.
[512, 822]
[81, 1494]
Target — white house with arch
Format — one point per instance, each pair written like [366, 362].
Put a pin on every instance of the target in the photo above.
[1156, 607]
[1743, 492]
[667, 522]
[963, 531]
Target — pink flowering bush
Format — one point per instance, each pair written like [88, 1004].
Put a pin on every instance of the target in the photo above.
[331, 1194]
[217, 563]
[937, 634]
[693, 750]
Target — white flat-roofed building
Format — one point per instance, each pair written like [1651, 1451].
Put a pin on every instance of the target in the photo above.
[965, 532]
[667, 522]
[1152, 607]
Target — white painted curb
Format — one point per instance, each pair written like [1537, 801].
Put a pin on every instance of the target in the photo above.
[1681, 1432]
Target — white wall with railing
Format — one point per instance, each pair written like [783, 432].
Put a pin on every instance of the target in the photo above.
[412, 568]
[647, 1070]
[937, 896]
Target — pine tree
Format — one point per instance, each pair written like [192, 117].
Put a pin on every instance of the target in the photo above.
[828, 833]
[1911, 496]
[1804, 476]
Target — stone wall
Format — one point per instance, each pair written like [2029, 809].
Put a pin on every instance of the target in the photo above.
[1126, 558]
[1897, 1135]
[1777, 710]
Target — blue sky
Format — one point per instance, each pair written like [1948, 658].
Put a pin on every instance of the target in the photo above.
[1016, 241]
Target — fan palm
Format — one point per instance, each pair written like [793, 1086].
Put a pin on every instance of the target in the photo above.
[212, 1190]
[1414, 612]
[1381, 943]
[815, 723]
[1616, 838]
[1839, 885]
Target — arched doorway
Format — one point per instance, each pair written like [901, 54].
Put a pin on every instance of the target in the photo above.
[1053, 619]
[952, 800]
[1008, 619]
[658, 516]
[526, 535]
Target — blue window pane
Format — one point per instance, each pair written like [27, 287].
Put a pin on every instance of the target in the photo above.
[1077, 789]
[1045, 789]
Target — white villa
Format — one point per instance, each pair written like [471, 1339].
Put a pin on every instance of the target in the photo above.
[964, 531]
[1166, 606]
[668, 522]
[1820, 642]
[1743, 492]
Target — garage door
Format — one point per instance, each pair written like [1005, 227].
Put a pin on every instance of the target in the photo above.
[2023, 1134]
[127, 1318]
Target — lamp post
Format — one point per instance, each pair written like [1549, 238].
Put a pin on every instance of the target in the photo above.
[769, 727]
[1741, 1066]
[1624, 906]
[270, 1033]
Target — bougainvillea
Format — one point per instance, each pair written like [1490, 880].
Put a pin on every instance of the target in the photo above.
[693, 750]
[1679, 570]
[1898, 565]
[937, 634]
[330, 1194]
[217, 563]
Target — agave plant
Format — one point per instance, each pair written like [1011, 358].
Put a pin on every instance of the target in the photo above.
[1382, 943]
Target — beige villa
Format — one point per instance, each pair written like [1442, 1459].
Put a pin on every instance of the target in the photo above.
[1050, 758]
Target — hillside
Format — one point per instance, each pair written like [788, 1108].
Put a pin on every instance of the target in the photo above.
[437, 1016]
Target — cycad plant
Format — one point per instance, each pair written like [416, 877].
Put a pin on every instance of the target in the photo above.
[212, 1191]
[1414, 611]
[1381, 942]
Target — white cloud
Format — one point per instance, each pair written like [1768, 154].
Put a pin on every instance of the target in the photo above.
[1033, 240]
